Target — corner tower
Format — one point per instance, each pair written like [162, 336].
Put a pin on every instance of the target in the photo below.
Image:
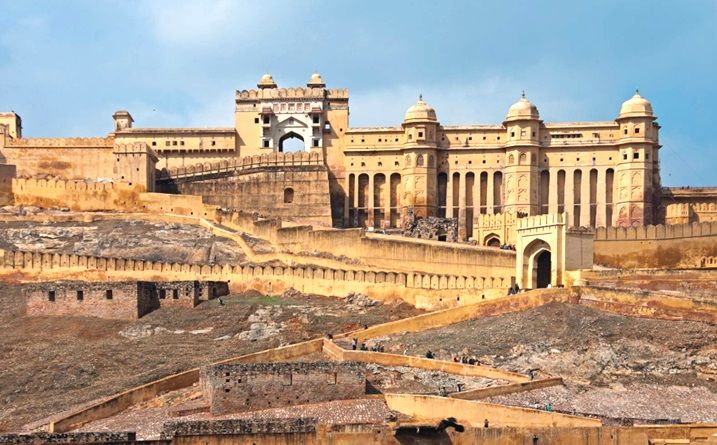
[420, 127]
[522, 125]
[637, 174]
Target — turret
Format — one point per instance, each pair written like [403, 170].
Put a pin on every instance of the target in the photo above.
[637, 179]
[123, 120]
[522, 124]
[420, 126]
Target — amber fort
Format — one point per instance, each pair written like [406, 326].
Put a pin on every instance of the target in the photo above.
[292, 279]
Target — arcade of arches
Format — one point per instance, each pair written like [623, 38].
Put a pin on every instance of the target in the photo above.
[586, 194]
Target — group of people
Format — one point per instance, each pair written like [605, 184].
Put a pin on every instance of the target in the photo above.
[378, 347]
[508, 247]
[464, 359]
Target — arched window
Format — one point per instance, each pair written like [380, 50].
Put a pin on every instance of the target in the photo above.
[419, 161]
[288, 195]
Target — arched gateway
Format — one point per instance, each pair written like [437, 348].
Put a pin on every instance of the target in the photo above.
[546, 249]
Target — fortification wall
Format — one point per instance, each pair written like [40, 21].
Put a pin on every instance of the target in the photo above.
[122, 301]
[422, 290]
[661, 246]
[75, 194]
[7, 174]
[290, 185]
[254, 386]
[385, 251]
[66, 158]
[471, 413]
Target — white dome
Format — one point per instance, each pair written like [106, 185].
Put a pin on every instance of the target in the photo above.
[523, 109]
[636, 106]
[420, 112]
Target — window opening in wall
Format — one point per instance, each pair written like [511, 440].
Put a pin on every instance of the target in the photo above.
[637, 131]
[181, 142]
[315, 119]
[625, 131]
[174, 142]
[316, 142]
[624, 156]
[647, 156]
[108, 294]
[286, 379]
[214, 143]
[288, 195]
[162, 294]
[166, 143]
[154, 143]
[522, 132]
[512, 134]
[266, 119]
[80, 295]
[636, 155]
[51, 295]
[333, 378]
[175, 294]
[410, 136]
[256, 120]
[266, 143]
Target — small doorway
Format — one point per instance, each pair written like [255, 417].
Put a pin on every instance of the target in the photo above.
[543, 266]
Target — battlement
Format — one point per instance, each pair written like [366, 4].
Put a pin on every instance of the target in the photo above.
[542, 220]
[238, 427]
[93, 142]
[23, 184]
[291, 93]
[245, 163]
[658, 232]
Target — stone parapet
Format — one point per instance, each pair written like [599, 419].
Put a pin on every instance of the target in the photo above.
[239, 426]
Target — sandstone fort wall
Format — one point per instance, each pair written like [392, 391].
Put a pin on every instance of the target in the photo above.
[423, 290]
[661, 246]
[67, 158]
[292, 185]
[254, 386]
[124, 301]
[381, 250]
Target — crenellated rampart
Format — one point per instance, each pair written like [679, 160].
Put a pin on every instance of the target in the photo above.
[381, 250]
[422, 289]
[247, 163]
[76, 194]
[660, 246]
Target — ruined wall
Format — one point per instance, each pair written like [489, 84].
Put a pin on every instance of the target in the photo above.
[661, 246]
[113, 300]
[248, 387]
[66, 158]
[243, 431]
[289, 185]
[116, 299]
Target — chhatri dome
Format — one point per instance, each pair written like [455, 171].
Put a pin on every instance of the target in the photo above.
[636, 106]
[316, 81]
[266, 81]
[523, 109]
[420, 112]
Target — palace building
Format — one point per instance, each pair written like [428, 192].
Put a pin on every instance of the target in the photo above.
[602, 174]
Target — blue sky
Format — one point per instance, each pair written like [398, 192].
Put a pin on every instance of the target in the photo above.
[66, 66]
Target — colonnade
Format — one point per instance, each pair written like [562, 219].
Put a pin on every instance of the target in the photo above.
[375, 200]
